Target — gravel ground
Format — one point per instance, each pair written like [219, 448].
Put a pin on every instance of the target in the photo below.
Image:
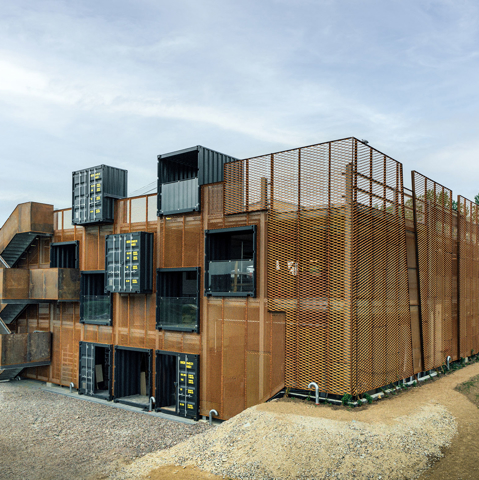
[50, 436]
[250, 445]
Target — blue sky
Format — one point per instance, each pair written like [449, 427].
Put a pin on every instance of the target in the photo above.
[91, 82]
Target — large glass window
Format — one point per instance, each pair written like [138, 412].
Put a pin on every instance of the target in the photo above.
[177, 301]
[230, 261]
[95, 304]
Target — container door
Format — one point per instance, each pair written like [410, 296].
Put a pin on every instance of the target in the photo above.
[188, 373]
[166, 382]
[86, 383]
[109, 364]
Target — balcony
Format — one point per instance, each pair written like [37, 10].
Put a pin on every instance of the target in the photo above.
[55, 284]
[178, 313]
[23, 350]
[180, 197]
[23, 286]
[95, 309]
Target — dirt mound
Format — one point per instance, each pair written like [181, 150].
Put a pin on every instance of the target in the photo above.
[267, 445]
[395, 438]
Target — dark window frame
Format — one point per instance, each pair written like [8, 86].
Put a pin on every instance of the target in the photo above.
[84, 274]
[54, 258]
[209, 254]
[159, 289]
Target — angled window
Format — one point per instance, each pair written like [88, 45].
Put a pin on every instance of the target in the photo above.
[64, 255]
[177, 299]
[230, 262]
[95, 304]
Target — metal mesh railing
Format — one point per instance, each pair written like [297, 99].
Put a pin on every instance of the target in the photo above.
[336, 260]
[437, 264]
[468, 240]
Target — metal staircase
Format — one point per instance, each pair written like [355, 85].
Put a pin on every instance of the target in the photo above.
[10, 312]
[23, 227]
[19, 244]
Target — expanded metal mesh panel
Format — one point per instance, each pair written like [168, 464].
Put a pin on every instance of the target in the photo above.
[436, 253]
[383, 335]
[336, 261]
[468, 233]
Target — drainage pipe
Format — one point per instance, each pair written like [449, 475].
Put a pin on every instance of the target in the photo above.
[448, 359]
[72, 386]
[212, 412]
[315, 385]
[152, 401]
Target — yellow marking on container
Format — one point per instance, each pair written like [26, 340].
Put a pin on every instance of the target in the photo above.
[135, 281]
[135, 267]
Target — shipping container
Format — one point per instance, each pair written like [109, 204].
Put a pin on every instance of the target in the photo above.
[182, 173]
[64, 255]
[177, 384]
[96, 370]
[133, 376]
[94, 191]
[129, 262]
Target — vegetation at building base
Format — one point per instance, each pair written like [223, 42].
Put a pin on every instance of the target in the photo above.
[470, 389]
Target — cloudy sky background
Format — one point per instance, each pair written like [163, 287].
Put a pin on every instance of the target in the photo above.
[92, 82]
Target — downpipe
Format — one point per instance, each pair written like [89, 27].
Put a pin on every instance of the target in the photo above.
[152, 401]
[315, 385]
[448, 360]
[72, 386]
[212, 412]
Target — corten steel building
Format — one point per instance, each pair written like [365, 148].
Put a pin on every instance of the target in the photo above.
[239, 278]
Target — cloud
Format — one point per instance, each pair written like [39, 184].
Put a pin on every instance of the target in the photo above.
[86, 83]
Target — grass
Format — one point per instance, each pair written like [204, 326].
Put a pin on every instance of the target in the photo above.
[470, 389]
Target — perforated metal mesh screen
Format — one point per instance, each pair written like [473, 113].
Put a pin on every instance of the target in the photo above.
[336, 260]
[468, 239]
[437, 264]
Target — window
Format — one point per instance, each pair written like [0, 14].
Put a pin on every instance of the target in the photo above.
[230, 262]
[64, 255]
[177, 299]
[95, 304]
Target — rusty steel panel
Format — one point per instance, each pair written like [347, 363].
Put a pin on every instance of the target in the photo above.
[25, 349]
[337, 268]
[27, 217]
[14, 285]
[468, 240]
[61, 284]
[437, 264]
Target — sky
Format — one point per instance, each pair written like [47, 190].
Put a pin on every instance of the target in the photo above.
[84, 83]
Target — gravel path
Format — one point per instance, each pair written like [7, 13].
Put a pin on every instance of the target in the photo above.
[45, 435]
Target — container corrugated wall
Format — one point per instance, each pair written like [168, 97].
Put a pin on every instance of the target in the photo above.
[176, 170]
[94, 191]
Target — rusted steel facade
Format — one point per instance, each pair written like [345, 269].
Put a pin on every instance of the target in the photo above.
[358, 281]
[436, 233]
[336, 261]
[468, 238]
[241, 343]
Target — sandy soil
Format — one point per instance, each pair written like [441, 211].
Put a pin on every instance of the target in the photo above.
[460, 460]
